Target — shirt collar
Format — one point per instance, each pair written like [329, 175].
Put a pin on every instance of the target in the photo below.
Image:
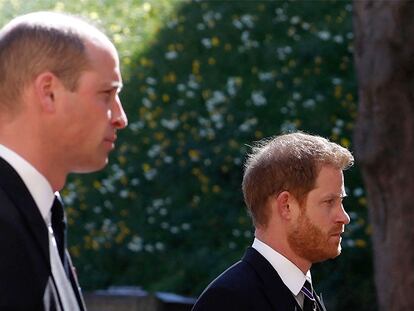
[290, 274]
[36, 183]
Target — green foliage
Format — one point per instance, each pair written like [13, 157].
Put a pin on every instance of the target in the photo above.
[203, 81]
[130, 24]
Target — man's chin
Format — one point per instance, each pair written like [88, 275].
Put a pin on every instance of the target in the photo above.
[330, 253]
[336, 252]
[91, 167]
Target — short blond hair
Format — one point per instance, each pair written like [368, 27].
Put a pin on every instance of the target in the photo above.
[38, 42]
[289, 162]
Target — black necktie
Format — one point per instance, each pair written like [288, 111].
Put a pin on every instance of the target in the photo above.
[59, 230]
[309, 303]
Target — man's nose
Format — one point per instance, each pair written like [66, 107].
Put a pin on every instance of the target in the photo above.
[119, 117]
[343, 216]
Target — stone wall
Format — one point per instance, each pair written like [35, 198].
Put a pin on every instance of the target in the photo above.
[135, 299]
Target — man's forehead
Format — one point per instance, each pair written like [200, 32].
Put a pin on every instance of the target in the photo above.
[328, 183]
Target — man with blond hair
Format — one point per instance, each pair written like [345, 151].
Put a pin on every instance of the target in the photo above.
[293, 187]
[59, 113]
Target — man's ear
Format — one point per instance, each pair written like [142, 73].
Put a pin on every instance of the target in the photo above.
[45, 86]
[282, 204]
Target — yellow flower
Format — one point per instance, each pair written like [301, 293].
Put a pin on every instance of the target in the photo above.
[196, 67]
[114, 27]
[215, 41]
[145, 62]
[60, 6]
[159, 136]
[216, 189]
[360, 243]
[126, 61]
[165, 98]
[179, 47]
[95, 245]
[196, 171]
[97, 184]
[291, 31]
[298, 123]
[170, 77]
[362, 201]
[345, 142]
[94, 15]
[146, 7]
[194, 154]
[122, 160]
[206, 94]
[124, 180]
[360, 221]
[124, 231]
[338, 91]
[146, 167]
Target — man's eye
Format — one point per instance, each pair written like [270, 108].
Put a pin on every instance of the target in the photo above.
[107, 94]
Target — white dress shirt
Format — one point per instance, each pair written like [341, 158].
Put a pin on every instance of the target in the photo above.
[291, 275]
[36, 183]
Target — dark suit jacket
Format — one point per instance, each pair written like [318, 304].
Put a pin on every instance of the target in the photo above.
[251, 284]
[25, 282]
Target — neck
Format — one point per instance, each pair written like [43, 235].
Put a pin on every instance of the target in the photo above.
[29, 148]
[278, 241]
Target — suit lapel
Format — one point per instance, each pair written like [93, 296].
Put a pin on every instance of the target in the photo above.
[18, 193]
[279, 296]
[74, 282]
[320, 303]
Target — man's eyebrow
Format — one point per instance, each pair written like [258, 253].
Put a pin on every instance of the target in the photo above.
[335, 196]
[113, 88]
[113, 85]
